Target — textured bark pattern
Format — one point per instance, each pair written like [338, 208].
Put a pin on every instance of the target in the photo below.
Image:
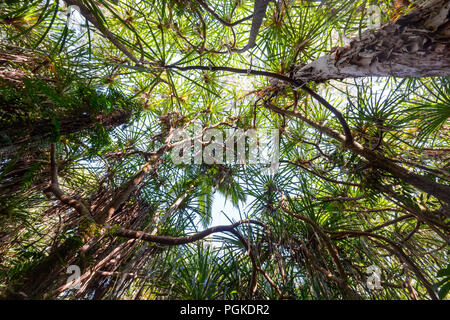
[416, 45]
[40, 132]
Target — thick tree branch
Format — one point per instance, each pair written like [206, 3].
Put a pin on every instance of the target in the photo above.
[395, 248]
[295, 83]
[331, 250]
[172, 241]
[416, 45]
[441, 192]
[259, 12]
[56, 190]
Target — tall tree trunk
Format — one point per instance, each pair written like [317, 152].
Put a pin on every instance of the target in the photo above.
[416, 45]
[41, 277]
[37, 280]
[40, 132]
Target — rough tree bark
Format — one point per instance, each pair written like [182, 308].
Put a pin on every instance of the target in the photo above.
[416, 45]
[40, 132]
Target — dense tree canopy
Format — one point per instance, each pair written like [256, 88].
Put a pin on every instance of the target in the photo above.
[93, 93]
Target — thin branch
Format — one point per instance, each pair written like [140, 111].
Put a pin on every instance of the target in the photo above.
[397, 250]
[440, 191]
[319, 175]
[88, 15]
[218, 18]
[271, 282]
[331, 250]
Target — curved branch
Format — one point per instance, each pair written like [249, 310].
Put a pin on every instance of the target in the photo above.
[172, 241]
[89, 16]
[331, 250]
[56, 190]
[440, 191]
[253, 281]
[338, 115]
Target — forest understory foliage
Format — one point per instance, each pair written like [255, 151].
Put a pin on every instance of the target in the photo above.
[93, 93]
